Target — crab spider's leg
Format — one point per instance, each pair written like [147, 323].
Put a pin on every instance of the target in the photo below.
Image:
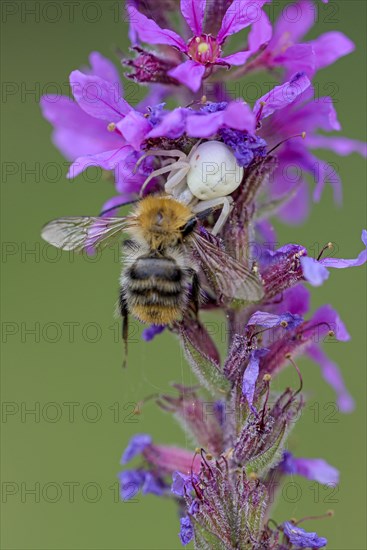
[226, 210]
[176, 179]
[162, 153]
[161, 171]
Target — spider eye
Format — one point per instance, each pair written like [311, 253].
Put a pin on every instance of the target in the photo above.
[188, 227]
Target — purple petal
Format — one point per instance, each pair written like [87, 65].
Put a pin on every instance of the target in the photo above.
[318, 470]
[148, 31]
[108, 160]
[326, 173]
[270, 320]
[313, 271]
[237, 116]
[296, 300]
[153, 485]
[260, 33]
[314, 469]
[340, 145]
[186, 530]
[240, 14]
[182, 483]
[75, 133]
[267, 232]
[236, 59]
[104, 69]
[172, 125]
[340, 263]
[251, 374]
[189, 73]
[134, 128]
[295, 21]
[151, 332]
[332, 375]
[329, 47]
[300, 57]
[130, 483]
[327, 315]
[193, 11]
[301, 538]
[297, 208]
[281, 96]
[135, 447]
[98, 97]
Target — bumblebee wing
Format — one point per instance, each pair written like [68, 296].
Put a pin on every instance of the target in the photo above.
[78, 233]
[225, 275]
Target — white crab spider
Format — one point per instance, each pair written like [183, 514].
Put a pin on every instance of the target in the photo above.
[202, 179]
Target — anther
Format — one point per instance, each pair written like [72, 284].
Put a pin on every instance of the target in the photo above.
[266, 377]
[253, 476]
[111, 127]
[284, 324]
[328, 246]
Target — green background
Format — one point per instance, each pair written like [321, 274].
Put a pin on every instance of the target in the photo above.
[58, 293]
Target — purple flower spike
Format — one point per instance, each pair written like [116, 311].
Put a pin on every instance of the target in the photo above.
[301, 539]
[135, 447]
[186, 530]
[314, 469]
[251, 375]
[151, 332]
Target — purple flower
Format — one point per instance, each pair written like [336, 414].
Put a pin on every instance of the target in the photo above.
[284, 50]
[151, 332]
[300, 538]
[186, 530]
[204, 50]
[76, 133]
[315, 271]
[307, 337]
[182, 483]
[251, 375]
[315, 469]
[295, 160]
[132, 481]
[153, 485]
[135, 447]
[92, 131]
[332, 375]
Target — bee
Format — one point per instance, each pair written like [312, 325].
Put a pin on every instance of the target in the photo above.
[162, 259]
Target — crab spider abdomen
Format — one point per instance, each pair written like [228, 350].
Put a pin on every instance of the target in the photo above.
[214, 171]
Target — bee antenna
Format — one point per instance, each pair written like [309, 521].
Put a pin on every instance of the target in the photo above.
[104, 212]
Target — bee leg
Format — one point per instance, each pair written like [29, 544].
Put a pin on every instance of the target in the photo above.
[125, 323]
[195, 293]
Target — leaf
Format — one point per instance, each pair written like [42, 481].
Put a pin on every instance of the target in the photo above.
[263, 462]
[205, 540]
[207, 371]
